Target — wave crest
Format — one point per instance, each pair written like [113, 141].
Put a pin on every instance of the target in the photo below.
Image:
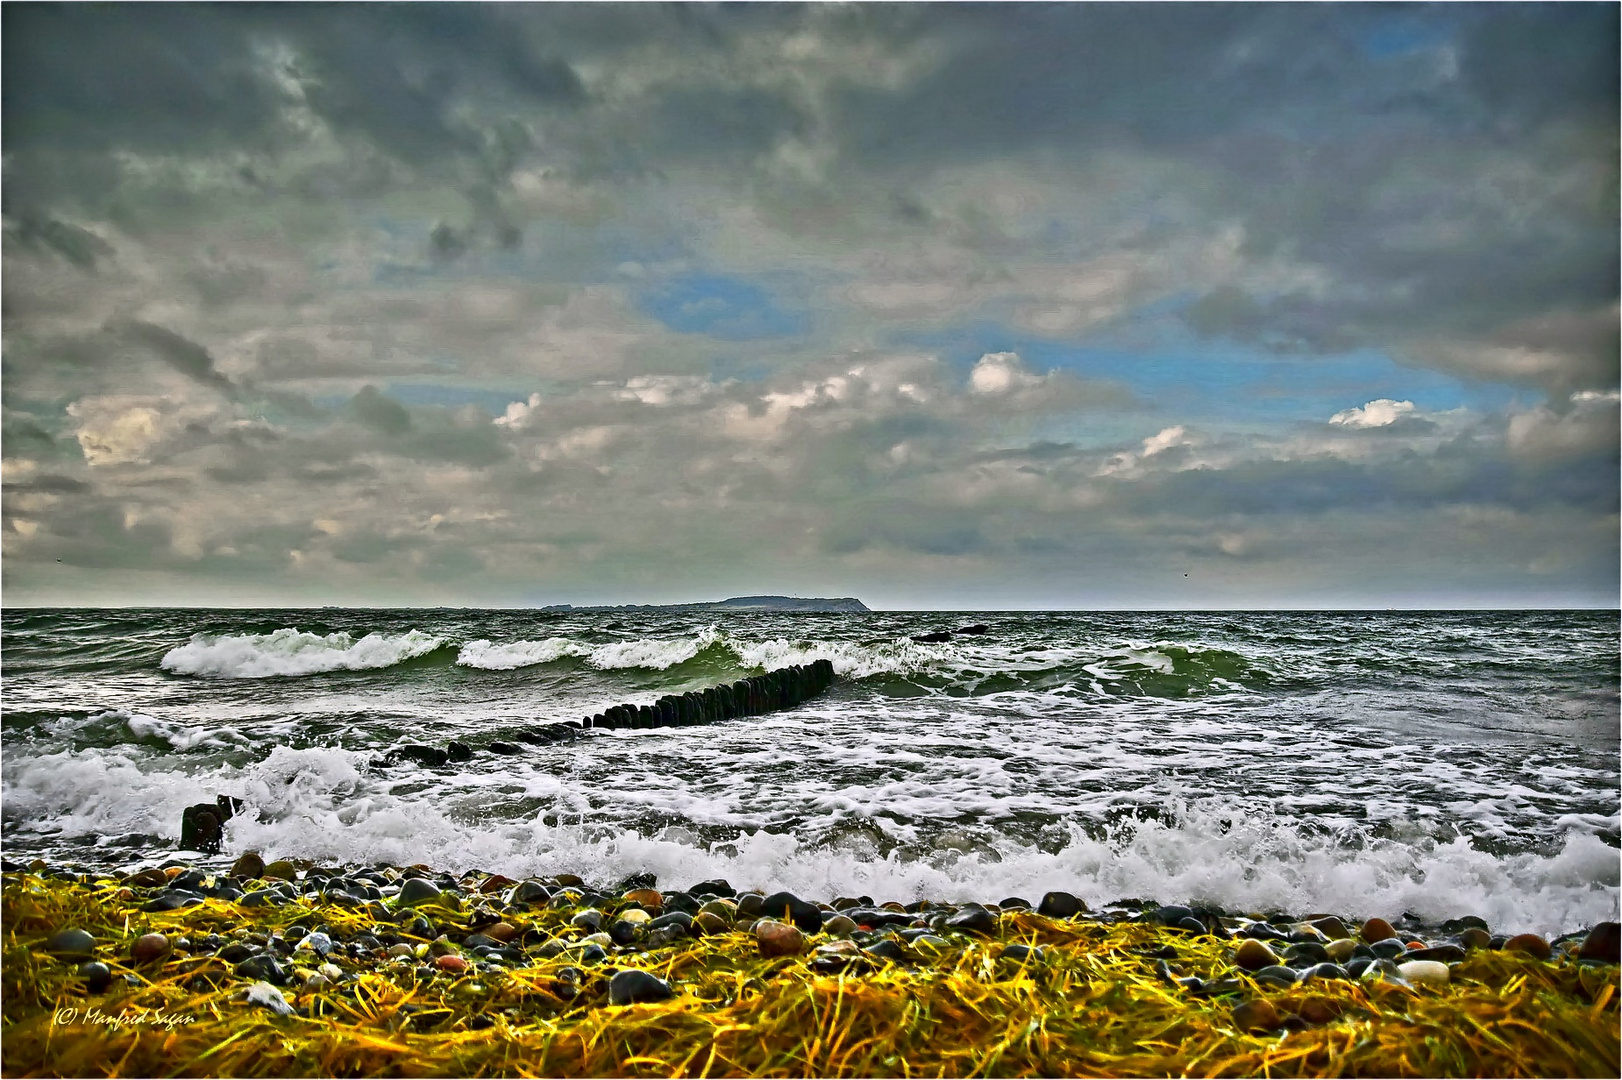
[293, 652]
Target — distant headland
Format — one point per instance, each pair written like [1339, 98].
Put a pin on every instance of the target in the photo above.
[736, 603]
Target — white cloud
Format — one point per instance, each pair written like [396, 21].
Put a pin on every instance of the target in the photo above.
[1381, 412]
[518, 412]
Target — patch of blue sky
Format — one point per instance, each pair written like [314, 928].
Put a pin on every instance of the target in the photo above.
[1401, 30]
[1227, 383]
[717, 306]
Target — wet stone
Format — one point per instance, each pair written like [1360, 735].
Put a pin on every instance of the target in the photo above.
[95, 975]
[1022, 954]
[1602, 943]
[1257, 1015]
[632, 987]
[248, 866]
[804, 915]
[778, 939]
[417, 891]
[149, 948]
[1059, 905]
[1446, 954]
[1276, 975]
[1426, 972]
[1530, 944]
[1254, 955]
[973, 920]
[71, 945]
[839, 926]
[1375, 930]
[1474, 938]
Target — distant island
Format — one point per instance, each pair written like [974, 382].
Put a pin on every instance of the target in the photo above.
[736, 603]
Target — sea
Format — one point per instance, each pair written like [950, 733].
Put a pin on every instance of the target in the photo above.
[1363, 763]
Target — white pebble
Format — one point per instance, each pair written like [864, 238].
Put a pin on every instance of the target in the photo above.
[1430, 972]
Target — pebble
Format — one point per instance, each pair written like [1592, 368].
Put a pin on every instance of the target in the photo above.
[1060, 905]
[974, 920]
[1331, 928]
[417, 891]
[1254, 955]
[96, 976]
[1474, 938]
[1377, 930]
[1426, 972]
[1024, 953]
[635, 916]
[502, 931]
[72, 945]
[804, 915]
[631, 986]
[450, 962]
[1530, 944]
[646, 898]
[710, 923]
[1277, 975]
[149, 948]
[262, 993]
[1318, 1010]
[839, 926]
[1603, 943]
[778, 939]
[1257, 1015]
[248, 866]
[1341, 949]
[281, 869]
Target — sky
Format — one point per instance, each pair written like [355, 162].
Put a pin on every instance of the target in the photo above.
[957, 306]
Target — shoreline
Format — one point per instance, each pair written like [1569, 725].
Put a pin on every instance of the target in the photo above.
[381, 970]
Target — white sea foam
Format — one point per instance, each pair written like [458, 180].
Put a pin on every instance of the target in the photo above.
[656, 654]
[293, 652]
[486, 656]
[321, 803]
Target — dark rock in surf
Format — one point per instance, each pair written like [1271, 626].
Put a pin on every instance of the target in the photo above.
[200, 828]
[499, 747]
[977, 628]
[458, 751]
[934, 638]
[431, 756]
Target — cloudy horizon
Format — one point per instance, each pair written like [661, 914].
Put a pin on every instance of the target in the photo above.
[956, 306]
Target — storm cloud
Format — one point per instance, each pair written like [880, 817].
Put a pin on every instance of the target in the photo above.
[1057, 305]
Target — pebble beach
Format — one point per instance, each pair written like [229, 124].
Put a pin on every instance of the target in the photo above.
[287, 968]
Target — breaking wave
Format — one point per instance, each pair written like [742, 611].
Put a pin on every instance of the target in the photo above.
[293, 652]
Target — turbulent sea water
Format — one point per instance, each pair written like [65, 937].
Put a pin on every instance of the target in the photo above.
[1442, 763]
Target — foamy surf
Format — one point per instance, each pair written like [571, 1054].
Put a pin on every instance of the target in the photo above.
[293, 652]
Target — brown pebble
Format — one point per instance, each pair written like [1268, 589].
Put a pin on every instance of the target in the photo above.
[1257, 1015]
[1530, 944]
[566, 881]
[450, 962]
[646, 898]
[1604, 942]
[778, 939]
[1318, 1010]
[495, 883]
[709, 922]
[502, 931]
[1474, 937]
[148, 879]
[1254, 955]
[149, 948]
[839, 926]
[248, 866]
[1377, 930]
[280, 869]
